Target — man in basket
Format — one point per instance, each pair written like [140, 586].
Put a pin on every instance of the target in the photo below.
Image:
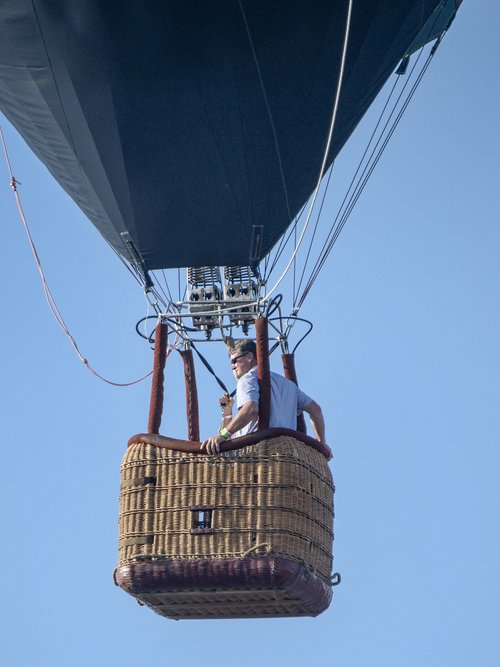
[287, 401]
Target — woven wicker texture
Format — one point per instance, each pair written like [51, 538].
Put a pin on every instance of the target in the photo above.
[274, 498]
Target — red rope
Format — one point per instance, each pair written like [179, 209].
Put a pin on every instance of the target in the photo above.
[48, 294]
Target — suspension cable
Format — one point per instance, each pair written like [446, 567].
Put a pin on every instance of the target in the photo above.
[342, 218]
[285, 238]
[370, 165]
[327, 149]
[351, 185]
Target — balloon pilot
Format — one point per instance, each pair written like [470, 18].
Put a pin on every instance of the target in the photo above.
[287, 401]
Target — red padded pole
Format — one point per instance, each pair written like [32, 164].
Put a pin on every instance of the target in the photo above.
[160, 357]
[289, 371]
[193, 420]
[263, 371]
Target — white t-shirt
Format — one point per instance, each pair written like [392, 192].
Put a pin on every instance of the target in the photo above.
[287, 400]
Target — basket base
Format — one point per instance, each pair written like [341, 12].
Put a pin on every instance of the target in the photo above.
[258, 587]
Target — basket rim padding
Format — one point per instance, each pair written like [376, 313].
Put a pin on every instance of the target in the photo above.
[193, 447]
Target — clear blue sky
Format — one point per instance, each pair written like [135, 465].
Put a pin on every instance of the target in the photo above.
[407, 331]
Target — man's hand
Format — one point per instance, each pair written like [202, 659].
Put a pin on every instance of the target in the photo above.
[212, 445]
[226, 403]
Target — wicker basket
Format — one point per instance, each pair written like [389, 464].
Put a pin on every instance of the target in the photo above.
[247, 533]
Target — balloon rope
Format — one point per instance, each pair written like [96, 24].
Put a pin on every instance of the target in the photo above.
[327, 149]
[342, 216]
[48, 294]
[366, 168]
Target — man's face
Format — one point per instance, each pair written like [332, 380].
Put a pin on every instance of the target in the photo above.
[241, 363]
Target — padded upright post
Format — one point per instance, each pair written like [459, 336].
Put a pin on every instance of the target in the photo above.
[193, 420]
[263, 371]
[288, 361]
[157, 390]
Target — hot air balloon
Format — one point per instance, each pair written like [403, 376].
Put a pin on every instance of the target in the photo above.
[192, 134]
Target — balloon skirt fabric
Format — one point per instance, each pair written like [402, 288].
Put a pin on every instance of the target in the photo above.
[245, 534]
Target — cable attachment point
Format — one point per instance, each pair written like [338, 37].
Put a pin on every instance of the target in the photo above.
[162, 318]
[256, 245]
[283, 341]
[136, 260]
[14, 183]
[150, 295]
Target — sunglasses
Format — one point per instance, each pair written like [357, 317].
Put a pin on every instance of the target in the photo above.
[235, 359]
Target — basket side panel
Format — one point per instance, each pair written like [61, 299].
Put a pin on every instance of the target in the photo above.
[275, 497]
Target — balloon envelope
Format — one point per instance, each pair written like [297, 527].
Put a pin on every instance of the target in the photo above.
[180, 126]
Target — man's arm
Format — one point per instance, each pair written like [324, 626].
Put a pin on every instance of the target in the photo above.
[247, 413]
[317, 420]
